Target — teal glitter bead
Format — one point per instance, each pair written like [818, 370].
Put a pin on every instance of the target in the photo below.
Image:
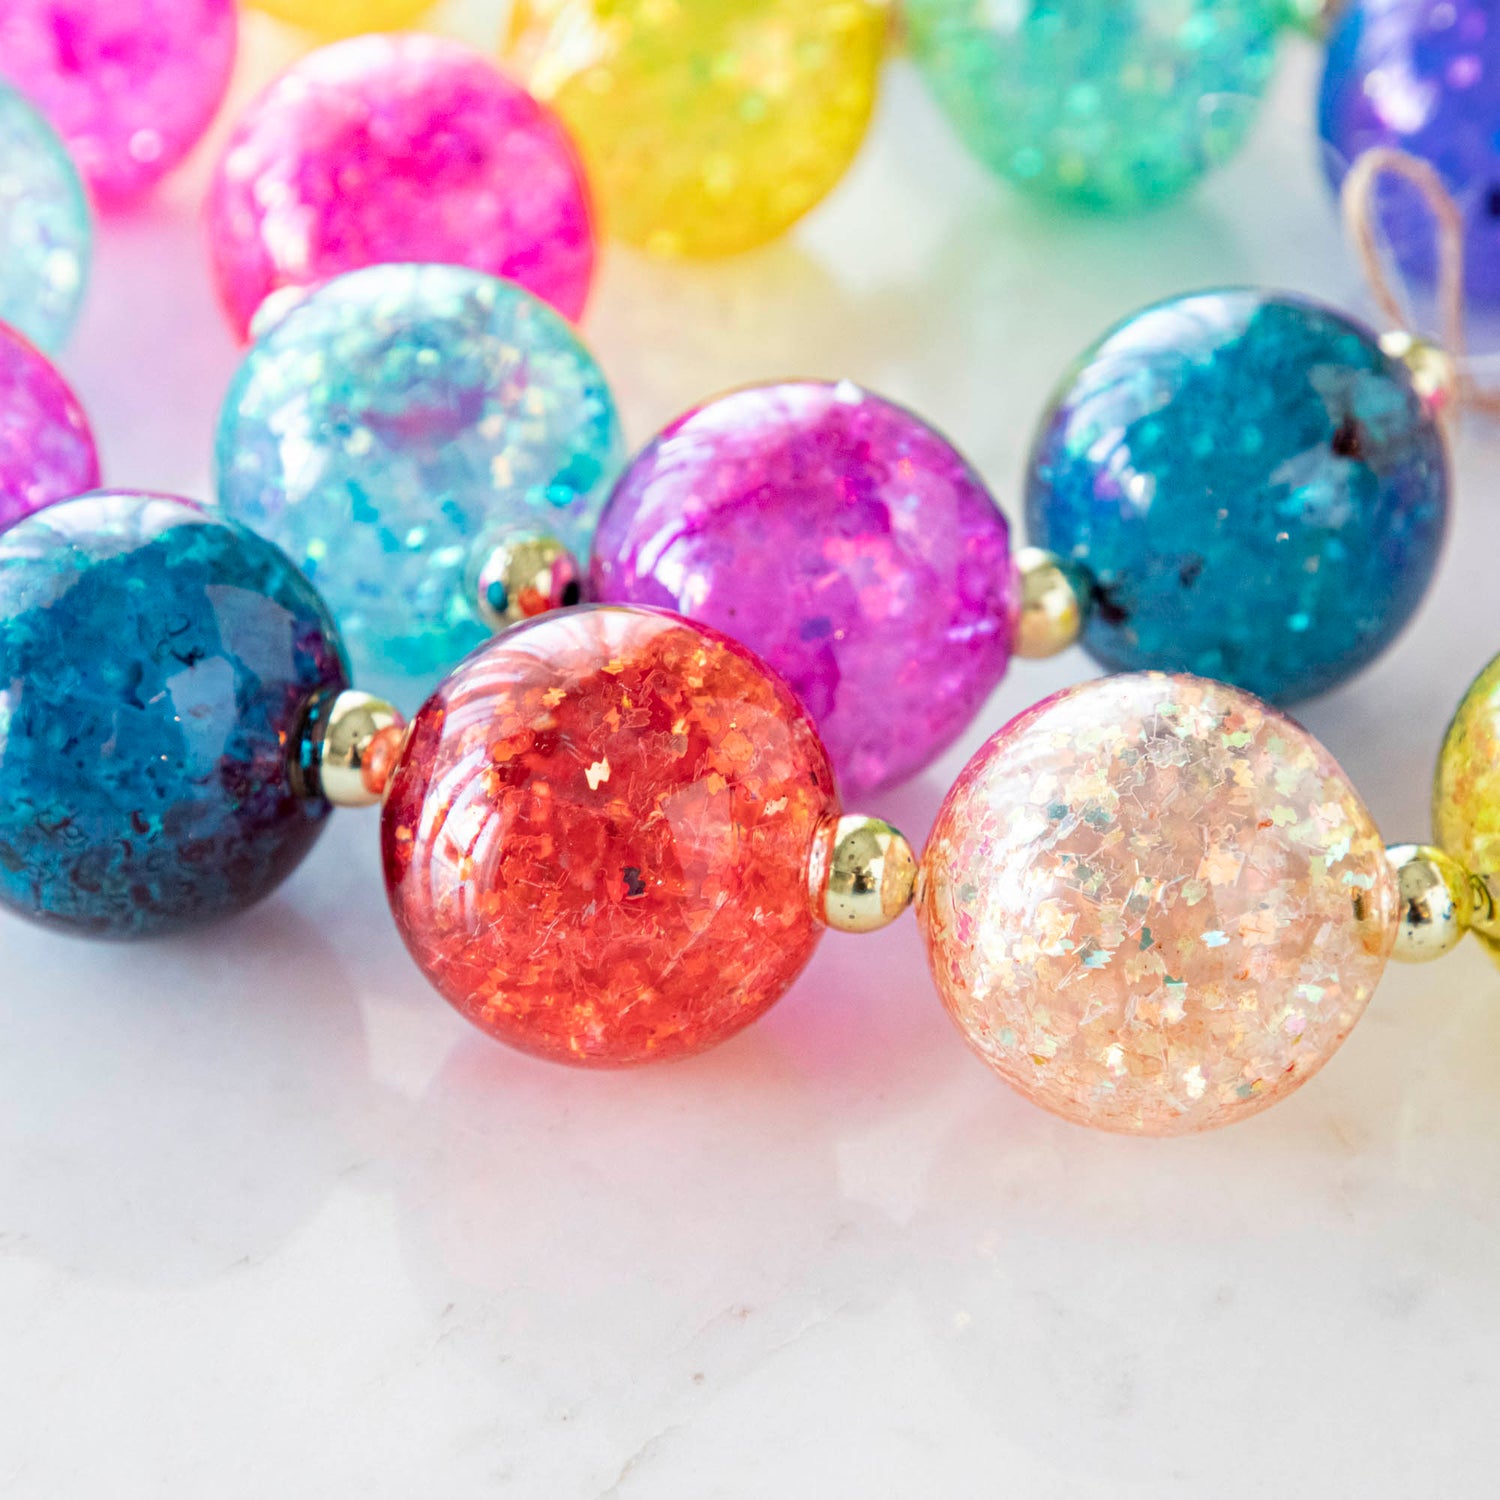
[1107, 103]
[46, 235]
[1253, 487]
[395, 425]
[158, 663]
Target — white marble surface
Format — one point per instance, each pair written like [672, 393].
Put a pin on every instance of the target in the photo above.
[273, 1221]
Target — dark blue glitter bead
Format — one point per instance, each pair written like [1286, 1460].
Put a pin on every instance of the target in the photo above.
[1253, 487]
[155, 662]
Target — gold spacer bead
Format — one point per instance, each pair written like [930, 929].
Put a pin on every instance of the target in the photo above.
[1434, 375]
[350, 744]
[525, 576]
[1051, 614]
[869, 877]
[1439, 900]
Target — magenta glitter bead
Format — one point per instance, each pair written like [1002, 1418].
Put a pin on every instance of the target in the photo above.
[398, 148]
[130, 84]
[47, 451]
[846, 543]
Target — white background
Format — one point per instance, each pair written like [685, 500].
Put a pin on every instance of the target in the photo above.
[273, 1221]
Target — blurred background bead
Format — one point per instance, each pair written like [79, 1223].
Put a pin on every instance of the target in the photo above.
[845, 542]
[157, 663]
[47, 451]
[598, 838]
[1155, 905]
[525, 576]
[338, 18]
[1466, 790]
[130, 84]
[1434, 902]
[1052, 602]
[869, 877]
[1256, 491]
[46, 236]
[1434, 372]
[398, 148]
[350, 742]
[1423, 76]
[390, 424]
[1109, 103]
[708, 129]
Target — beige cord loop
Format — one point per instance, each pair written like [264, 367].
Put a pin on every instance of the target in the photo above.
[1361, 220]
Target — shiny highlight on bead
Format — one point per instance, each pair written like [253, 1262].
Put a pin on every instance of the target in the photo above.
[1052, 602]
[1437, 902]
[350, 742]
[525, 576]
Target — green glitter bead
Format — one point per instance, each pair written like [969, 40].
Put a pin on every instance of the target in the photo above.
[1107, 103]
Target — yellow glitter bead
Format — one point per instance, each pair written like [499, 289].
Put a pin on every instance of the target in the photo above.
[1466, 793]
[708, 128]
[336, 18]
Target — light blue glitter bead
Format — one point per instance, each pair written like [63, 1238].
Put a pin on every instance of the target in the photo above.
[157, 665]
[1253, 486]
[392, 426]
[1109, 103]
[46, 235]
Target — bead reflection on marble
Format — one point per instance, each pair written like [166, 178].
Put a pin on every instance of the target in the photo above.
[130, 84]
[845, 542]
[1422, 76]
[46, 236]
[1109, 103]
[1155, 905]
[707, 128]
[47, 451]
[396, 420]
[398, 148]
[599, 838]
[156, 662]
[1256, 490]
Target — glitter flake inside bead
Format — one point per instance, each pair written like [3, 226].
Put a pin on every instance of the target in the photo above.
[130, 84]
[1109, 103]
[47, 451]
[46, 237]
[391, 424]
[398, 148]
[1155, 905]
[1422, 76]
[1466, 794]
[598, 840]
[841, 539]
[336, 18]
[157, 662]
[707, 128]
[1254, 488]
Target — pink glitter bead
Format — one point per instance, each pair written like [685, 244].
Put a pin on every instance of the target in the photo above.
[1155, 905]
[398, 148]
[130, 84]
[47, 452]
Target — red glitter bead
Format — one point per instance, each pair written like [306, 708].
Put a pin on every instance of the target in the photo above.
[598, 839]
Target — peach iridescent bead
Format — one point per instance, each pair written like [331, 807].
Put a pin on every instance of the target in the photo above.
[1155, 905]
[335, 18]
[1466, 796]
[397, 148]
[601, 837]
[708, 128]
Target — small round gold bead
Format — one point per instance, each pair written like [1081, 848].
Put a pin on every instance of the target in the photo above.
[525, 576]
[350, 745]
[1434, 376]
[870, 876]
[1051, 613]
[1437, 902]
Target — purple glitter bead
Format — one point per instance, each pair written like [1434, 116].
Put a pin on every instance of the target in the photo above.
[47, 452]
[1424, 76]
[842, 539]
